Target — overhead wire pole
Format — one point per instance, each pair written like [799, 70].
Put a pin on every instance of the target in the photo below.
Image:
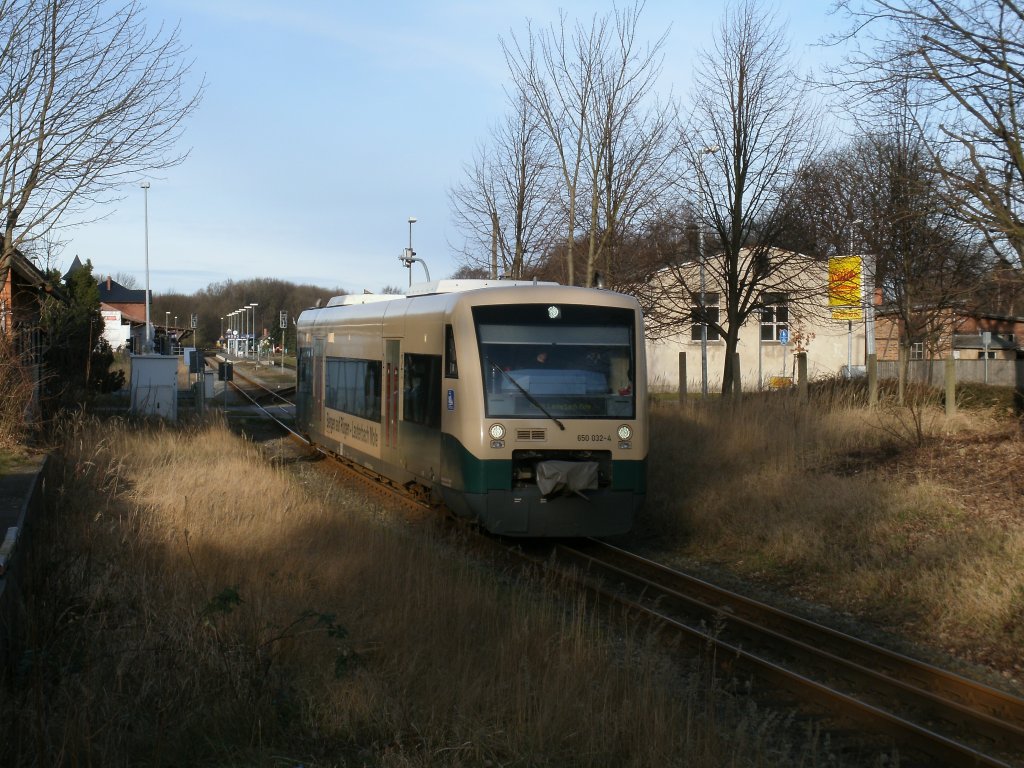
[409, 255]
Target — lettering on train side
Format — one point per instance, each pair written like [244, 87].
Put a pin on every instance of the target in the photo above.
[352, 431]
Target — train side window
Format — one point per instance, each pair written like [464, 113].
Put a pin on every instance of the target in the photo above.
[422, 397]
[353, 386]
[451, 362]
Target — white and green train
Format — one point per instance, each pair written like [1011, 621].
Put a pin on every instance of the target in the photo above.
[522, 405]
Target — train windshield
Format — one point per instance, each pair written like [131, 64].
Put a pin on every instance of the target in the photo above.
[560, 361]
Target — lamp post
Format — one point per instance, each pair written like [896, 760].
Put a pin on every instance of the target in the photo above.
[703, 287]
[221, 337]
[244, 336]
[248, 329]
[148, 344]
[849, 323]
[254, 338]
[703, 317]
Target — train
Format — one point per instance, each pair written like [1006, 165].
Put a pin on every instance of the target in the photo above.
[519, 404]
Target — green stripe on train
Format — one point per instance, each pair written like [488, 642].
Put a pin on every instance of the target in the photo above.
[471, 474]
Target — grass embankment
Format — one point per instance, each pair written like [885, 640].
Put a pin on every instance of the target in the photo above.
[192, 605]
[898, 514]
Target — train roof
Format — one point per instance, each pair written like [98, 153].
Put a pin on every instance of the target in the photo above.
[457, 286]
[427, 297]
[430, 289]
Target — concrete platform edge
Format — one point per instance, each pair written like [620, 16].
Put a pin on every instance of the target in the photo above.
[21, 503]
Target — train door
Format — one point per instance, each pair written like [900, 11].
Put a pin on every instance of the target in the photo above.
[318, 382]
[392, 388]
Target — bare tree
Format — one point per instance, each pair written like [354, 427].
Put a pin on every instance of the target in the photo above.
[629, 156]
[126, 280]
[820, 206]
[90, 100]
[505, 205]
[966, 61]
[591, 88]
[750, 129]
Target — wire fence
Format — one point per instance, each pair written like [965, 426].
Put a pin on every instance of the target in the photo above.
[1000, 373]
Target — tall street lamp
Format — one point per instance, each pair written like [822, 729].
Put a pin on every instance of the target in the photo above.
[703, 309]
[254, 336]
[849, 323]
[221, 337]
[247, 328]
[148, 344]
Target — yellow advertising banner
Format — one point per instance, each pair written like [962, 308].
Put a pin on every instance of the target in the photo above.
[844, 284]
[847, 313]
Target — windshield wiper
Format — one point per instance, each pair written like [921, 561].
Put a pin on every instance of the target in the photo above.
[527, 395]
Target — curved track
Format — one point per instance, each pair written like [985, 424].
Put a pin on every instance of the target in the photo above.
[935, 712]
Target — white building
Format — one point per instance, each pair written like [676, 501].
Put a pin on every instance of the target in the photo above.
[796, 317]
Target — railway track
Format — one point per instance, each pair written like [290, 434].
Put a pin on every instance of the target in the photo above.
[924, 709]
[951, 719]
[272, 401]
[273, 404]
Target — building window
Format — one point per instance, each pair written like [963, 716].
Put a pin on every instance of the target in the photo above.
[774, 316]
[917, 350]
[711, 315]
[990, 353]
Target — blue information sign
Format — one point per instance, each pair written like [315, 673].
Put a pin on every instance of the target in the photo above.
[784, 336]
[451, 399]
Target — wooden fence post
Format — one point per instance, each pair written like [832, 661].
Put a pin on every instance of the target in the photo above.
[737, 381]
[801, 377]
[682, 378]
[901, 375]
[950, 386]
[872, 380]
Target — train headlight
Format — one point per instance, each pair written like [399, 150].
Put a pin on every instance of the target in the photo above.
[625, 432]
[497, 431]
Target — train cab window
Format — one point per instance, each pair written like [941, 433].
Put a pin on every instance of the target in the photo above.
[570, 361]
[421, 403]
[451, 363]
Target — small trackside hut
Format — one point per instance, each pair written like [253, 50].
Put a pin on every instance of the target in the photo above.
[522, 405]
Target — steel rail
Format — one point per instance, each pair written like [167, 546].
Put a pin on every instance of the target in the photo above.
[804, 640]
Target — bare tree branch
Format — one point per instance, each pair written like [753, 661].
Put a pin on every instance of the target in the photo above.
[966, 59]
[90, 101]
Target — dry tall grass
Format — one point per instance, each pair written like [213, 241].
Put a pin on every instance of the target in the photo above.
[841, 505]
[192, 605]
[15, 395]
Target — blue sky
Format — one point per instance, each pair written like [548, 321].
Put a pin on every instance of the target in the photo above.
[326, 125]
